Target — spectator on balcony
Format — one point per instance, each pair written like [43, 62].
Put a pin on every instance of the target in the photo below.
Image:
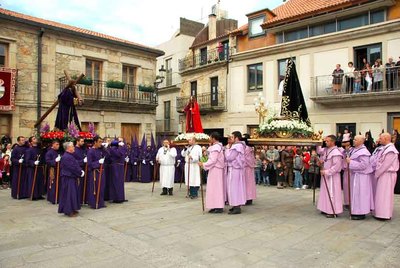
[193, 120]
[337, 79]
[377, 75]
[362, 70]
[350, 77]
[391, 73]
[220, 51]
[357, 81]
[368, 77]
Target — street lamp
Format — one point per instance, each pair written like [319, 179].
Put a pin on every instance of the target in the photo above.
[160, 77]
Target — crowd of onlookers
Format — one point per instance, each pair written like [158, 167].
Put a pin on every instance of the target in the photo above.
[299, 167]
[370, 77]
[5, 154]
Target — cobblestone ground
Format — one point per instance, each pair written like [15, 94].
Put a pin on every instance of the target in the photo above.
[282, 229]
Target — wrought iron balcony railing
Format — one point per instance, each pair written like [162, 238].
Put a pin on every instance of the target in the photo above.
[205, 58]
[377, 84]
[99, 91]
[208, 102]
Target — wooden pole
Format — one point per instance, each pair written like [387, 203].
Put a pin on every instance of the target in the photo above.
[202, 192]
[98, 186]
[34, 178]
[314, 177]
[57, 178]
[188, 178]
[154, 177]
[19, 179]
[84, 184]
[349, 188]
[330, 197]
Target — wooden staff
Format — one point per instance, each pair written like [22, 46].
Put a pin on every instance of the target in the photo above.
[125, 169]
[34, 178]
[313, 198]
[98, 186]
[19, 177]
[330, 197]
[348, 188]
[57, 178]
[139, 171]
[84, 184]
[183, 173]
[201, 189]
[188, 178]
[154, 177]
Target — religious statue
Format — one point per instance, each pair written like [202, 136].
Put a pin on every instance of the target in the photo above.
[193, 120]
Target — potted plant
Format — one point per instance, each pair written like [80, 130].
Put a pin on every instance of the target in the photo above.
[148, 89]
[115, 84]
[84, 81]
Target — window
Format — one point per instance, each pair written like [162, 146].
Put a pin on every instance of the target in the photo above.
[340, 127]
[128, 75]
[255, 77]
[353, 22]
[193, 89]
[377, 16]
[255, 26]
[94, 69]
[295, 35]
[371, 53]
[3, 55]
[279, 37]
[282, 68]
[326, 28]
[167, 115]
[168, 73]
[203, 56]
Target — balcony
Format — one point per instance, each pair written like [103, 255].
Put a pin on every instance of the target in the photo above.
[205, 58]
[97, 96]
[172, 81]
[386, 92]
[206, 102]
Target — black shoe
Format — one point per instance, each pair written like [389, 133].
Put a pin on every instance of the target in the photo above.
[164, 191]
[382, 219]
[249, 202]
[231, 209]
[358, 217]
[212, 210]
[330, 216]
[219, 210]
[235, 210]
[346, 207]
[170, 191]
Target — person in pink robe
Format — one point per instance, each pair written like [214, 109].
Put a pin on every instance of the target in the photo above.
[360, 179]
[236, 186]
[386, 175]
[249, 175]
[331, 189]
[215, 194]
[373, 160]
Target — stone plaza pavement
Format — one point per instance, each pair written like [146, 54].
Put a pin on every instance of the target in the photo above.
[282, 229]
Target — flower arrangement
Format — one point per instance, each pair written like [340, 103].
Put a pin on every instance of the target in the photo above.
[92, 129]
[70, 134]
[188, 136]
[285, 128]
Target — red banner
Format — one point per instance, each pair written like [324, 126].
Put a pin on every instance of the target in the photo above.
[8, 81]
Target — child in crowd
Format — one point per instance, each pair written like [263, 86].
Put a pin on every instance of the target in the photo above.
[257, 169]
[297, 169]
[266, 172]
[280, 175]
[357, 82]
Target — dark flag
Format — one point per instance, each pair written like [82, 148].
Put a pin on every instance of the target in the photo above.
[293, 104]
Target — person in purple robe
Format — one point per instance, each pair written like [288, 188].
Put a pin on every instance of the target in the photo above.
[107, 168]
[147, 165]
[134, 161]
[387, 165]
[117, 159]
[67, 100]
[179, 166]
[96, 176]
[236, 185]
[35, 170]
[80, 156]
[361, 173]
[330, 197]
[53, 159]
[70, 174]
[18, 168]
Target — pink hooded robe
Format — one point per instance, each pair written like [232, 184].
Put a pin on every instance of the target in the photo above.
[215, 194]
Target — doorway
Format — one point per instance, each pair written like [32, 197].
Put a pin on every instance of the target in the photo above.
[5, 125]
[370, 52]
[214, 91]
[128, 131]
[393, 122]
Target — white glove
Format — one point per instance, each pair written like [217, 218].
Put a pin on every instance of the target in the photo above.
[105, 144]
[179, 161]
[121, 143]
[85, 160]
[21, 161]
[144, 162]
[152, 163]
[36, 162]
[135, 163]
[101, 161]
[127, 159]
[82, 174]
[58, 158]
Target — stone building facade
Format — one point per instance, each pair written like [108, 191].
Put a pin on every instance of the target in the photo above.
[126, 111]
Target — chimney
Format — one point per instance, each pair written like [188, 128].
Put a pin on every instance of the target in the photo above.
[212, 26]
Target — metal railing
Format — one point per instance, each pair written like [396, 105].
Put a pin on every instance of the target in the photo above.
[99, 91]
[378, 79]
[171, 79]
[205, 101]
[205, 58]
